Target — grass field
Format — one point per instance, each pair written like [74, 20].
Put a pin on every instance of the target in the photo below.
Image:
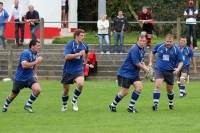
[94, 115]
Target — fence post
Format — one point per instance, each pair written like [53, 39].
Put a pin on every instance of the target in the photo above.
[10, 63]
[178, 34]
[42, 32]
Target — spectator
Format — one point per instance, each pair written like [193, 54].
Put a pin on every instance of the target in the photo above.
[103, 26]
[32, 17]
[17, 11]
[66, 11]
[3, 19]
[190, 14]
[145, 18]
[63, 6]
[120, 26]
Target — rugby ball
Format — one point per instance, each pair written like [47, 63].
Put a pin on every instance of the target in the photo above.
[6, 79]
[149, 75]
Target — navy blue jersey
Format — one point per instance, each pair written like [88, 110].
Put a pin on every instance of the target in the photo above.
[187, 53]
[24, 74]
[128, 69]
[76, 64]
[167, 58]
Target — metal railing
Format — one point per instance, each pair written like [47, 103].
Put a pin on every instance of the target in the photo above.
[10, 53]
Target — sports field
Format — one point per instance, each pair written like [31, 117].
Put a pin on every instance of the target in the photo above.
[94, 115]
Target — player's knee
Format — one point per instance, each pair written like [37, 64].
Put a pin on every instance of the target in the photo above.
[80, 86]
[143, 33]
[138, 89]
[37, 90]
[157, 87]
[182, 78]
[12, 96]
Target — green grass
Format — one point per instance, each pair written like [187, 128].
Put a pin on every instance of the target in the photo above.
[94, 115]
[129, 38]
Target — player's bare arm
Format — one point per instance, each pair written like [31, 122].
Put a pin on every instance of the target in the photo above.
[72, 56]
[85, 58]
[176, 70]
[35, 72]
[143, 67]
[26, 64]
[194, 65]
[151, 59]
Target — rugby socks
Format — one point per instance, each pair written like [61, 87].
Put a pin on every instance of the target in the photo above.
[31, 100]
[117, 99]
[156, 97]
[77, 92]
[7, 102]
[182, 90]
[65, 99]
[135, 96]
[171, 98]
[148, 41]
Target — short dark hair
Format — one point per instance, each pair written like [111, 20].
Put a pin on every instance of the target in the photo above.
[141, 36]
[1, 3]
[33, 43]
[120, 10]
[182, 36]
[77, 32]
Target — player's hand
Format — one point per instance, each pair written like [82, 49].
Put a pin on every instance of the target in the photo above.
[146, 70]
[150, 64]
[176, 70]
[194, 71]
[21, 22]
[82, 52]
[38, 59]
[8, 22]
[36, 77]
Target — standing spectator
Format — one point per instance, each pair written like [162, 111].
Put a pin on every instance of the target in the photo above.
[103, 26]
[63, 6]
[66, 12]
[75, 51]
[166, 66]
[17, 11]
[145, 18]
[32, 17]
[120, 26]
[24, 77]
[128, 74]
[3, 19]
[190, 15]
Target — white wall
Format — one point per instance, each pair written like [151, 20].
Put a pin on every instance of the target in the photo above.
[50, 10]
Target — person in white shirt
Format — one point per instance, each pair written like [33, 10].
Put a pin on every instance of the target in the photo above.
[17, 12]
[103, 26]
[190, 14]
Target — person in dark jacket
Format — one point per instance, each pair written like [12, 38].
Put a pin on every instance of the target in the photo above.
[120, 26]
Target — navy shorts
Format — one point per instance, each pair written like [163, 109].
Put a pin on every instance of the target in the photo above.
[148, 29]
[125, 82]
[184, 69]
[168, 76]
[69, 78]
[17, 85]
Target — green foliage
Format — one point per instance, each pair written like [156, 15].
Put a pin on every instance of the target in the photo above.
[163, 10]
